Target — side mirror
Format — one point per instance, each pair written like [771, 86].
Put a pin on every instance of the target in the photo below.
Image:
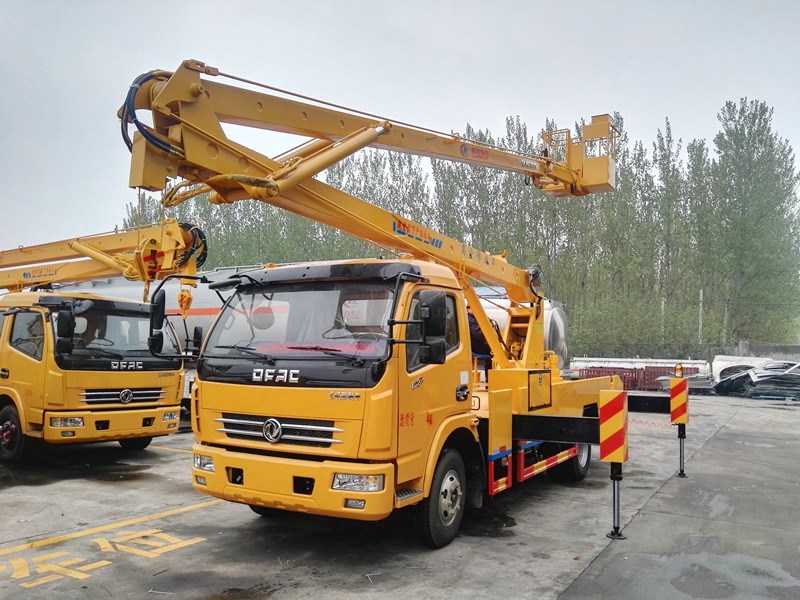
[65, 325]
[434, 313]
[434, 352]
[155, 343]
[197, 337]
[65, 329]
[158, 310]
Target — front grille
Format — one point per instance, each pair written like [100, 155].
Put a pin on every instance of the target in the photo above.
[296, 432]
[118, 395]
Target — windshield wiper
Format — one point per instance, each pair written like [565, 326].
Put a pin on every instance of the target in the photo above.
[357, 360]
[103, 351]
[249, 350]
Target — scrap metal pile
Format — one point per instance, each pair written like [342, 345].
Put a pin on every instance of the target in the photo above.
[699, 383]
[777, 379]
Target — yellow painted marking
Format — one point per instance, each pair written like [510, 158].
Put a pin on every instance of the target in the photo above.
[170, 449]
[164, 543]
[127, 537]
[109, 527]
[21, 570]
[59, 569]
[105, 545]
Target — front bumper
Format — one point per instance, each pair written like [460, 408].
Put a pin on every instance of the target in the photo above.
[110, 425]
[293, 484]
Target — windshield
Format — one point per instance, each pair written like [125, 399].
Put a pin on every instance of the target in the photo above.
[320, 318]
[103, 333]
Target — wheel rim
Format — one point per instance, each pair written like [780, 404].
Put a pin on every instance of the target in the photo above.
[450, 498]
[8, 436]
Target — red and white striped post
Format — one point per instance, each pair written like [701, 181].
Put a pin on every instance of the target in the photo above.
[613, 412]
[679, 411]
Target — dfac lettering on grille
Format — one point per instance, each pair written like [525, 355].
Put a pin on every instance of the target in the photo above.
[122, 395]
[276, 375]
[126, 365]
[298, 432]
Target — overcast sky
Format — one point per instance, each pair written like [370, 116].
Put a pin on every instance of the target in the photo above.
[66, 67]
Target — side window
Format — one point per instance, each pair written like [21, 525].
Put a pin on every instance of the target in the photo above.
[414, 332]
[27, 334]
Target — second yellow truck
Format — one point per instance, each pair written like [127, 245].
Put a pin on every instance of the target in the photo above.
[75, 366]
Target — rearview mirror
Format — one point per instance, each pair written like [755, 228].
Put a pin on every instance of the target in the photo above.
[433, 309]
[158, 310]
[65, 329]
[434, 352]
[197, 338]
[65, 325]
[155, 343]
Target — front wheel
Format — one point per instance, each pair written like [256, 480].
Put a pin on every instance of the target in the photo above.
[12, 440]
[439, 515]
[135, 444]
[574, 469]
[263, 511]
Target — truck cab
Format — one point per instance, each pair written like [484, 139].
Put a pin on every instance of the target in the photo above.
[76, 368]
[326, 387]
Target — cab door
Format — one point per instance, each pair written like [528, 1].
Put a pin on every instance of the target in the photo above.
[429, 393]
[22, 371]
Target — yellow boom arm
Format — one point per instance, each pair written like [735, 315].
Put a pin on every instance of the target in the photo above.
[187, 140]
[146, 254]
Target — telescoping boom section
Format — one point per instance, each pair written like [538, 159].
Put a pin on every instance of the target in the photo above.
[375, 400]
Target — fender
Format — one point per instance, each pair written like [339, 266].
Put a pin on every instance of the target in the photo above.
[468, 422]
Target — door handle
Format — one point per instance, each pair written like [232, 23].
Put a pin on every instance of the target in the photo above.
[4, 374]
[462, 393]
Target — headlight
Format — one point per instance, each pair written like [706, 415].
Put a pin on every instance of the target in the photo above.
[171, 416]
[204, 463]
[357, 483]
[66, 421]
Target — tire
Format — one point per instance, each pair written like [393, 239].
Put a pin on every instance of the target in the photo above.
[574, 469]
[263, 511]
[135, 444]
[12, 440]
[439, 515]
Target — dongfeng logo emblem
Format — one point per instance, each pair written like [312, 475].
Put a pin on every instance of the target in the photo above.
[272, 430]
[126, 396]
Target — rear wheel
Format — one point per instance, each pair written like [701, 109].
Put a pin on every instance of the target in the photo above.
[135, 444]
[574, 469]
[12, 440]
[439, 515]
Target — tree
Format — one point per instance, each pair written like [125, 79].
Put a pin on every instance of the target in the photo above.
[755, 185]
[632, 265]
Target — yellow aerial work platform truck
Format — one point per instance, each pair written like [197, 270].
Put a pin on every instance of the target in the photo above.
[75, 366]
[349, 388]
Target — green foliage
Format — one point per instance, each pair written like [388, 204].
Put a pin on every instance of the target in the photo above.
[695, 250]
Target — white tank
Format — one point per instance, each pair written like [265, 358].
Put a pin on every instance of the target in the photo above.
[555, 321]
